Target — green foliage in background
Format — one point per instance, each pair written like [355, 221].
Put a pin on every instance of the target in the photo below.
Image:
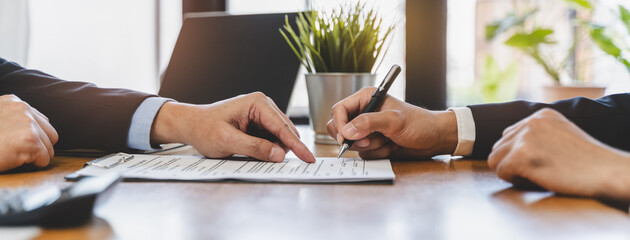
[529, 43]
[511, 20]
[585, 4]
[498, 85]
[624, 15]
[528, 40]
[341, 41]
[613, 44]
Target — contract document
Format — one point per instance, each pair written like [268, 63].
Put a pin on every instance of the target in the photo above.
[194, 168]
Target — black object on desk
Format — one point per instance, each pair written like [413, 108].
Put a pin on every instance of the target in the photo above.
[54, 207]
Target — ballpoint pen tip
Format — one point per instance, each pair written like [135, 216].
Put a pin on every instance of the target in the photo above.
[343, 150]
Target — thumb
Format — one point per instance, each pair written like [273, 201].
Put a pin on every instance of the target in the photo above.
[387, 122]
[258, 148]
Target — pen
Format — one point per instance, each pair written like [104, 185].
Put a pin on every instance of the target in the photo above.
[375, 101]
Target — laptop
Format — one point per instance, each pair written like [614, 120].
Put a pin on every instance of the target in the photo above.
[219, 56]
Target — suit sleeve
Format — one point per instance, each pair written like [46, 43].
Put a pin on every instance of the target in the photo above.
[84, 115]
[607, 119]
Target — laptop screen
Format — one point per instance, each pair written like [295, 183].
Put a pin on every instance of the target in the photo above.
[219, 56]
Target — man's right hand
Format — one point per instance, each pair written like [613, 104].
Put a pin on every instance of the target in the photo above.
[248, 124]
[26, 136]
[396, 130]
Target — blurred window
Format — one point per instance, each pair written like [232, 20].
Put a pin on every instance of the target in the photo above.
[481, 71]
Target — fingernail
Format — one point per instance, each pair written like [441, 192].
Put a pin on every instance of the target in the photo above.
[349, 130]
[277, 154]
[363, 142]
[339, 139]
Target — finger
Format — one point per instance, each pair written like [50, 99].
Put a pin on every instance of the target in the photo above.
[382, 152]
[285, 119]
[499, 151]
[386, 122]
[43, 156]
[273, 123]
[371, 142]
[45, 140]
[332, 131]
[255, 147]
[284, 116]
[510, 133]
[44, 124]
[504, 145]
[349, 107]
[280, 144]
[509, 168]
[517, 127]
[504, 170]
[39, 155]
[38, 113]
[46, 127]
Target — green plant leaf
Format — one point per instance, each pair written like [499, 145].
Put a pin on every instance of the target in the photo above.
[625, 17]
[530, 40]
[546, 64]
[344, 40]
[511, 20]
[604, 42]
[586, 4]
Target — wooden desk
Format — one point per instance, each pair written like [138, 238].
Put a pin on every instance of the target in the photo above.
[441, 199]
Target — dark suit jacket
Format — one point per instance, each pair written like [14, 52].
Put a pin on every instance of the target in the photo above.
[84, 115]
[606, 119]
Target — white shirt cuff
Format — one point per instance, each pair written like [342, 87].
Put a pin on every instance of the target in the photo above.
[139, 136]
[465, 131]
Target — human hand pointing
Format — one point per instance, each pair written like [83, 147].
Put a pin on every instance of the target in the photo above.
[249, 124]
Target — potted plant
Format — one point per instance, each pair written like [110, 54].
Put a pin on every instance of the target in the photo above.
[532, 39]
[340, 51]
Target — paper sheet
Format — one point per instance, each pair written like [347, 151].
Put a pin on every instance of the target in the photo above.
[192, 168]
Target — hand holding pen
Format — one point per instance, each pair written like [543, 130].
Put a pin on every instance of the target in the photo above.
[395, 130]
[375, 102]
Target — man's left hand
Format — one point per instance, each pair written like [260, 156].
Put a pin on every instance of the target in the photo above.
[549, 150]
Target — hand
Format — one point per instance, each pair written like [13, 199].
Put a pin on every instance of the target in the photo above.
[26, 136]
[552, 152]
[396, 130]
[221, 129]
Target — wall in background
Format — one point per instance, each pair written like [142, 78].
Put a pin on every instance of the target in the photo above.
[170, 24]
[14, 31]
[113, 43]
[110, 43]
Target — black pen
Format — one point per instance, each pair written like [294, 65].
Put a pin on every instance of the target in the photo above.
[375, 101]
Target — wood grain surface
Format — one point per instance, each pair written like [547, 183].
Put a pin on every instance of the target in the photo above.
[430, 199]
